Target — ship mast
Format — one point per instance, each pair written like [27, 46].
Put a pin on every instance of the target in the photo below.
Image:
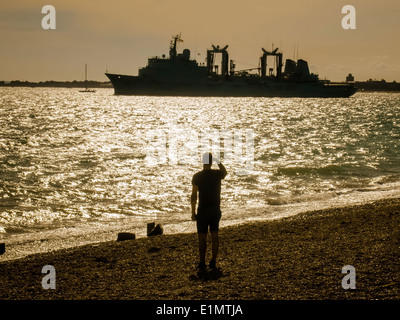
[172, 49]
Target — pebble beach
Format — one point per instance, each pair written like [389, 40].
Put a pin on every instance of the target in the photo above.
[295, 258]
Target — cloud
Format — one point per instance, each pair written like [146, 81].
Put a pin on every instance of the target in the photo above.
[338, 67]
[20, 20]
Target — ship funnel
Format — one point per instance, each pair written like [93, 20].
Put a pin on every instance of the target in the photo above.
[290, 67]
[302, 68]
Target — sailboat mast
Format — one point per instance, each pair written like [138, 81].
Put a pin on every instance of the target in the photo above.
[86, 82]
[86, 76]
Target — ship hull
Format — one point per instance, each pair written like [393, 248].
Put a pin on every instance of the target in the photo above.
[135, 85]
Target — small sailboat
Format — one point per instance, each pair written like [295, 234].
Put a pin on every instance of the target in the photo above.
[86, 88]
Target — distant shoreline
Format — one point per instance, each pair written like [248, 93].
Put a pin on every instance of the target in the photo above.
[369, 86]
[57, 84]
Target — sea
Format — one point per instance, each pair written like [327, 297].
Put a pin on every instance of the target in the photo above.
[78, 168]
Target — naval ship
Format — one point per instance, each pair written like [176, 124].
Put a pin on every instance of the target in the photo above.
[179, 75]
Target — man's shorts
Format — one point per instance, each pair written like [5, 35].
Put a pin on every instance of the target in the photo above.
[208, 218]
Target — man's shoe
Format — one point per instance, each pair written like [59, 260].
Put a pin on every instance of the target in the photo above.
[201, 266]
[213, 264]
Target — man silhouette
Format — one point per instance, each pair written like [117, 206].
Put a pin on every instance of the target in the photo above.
[208, 184]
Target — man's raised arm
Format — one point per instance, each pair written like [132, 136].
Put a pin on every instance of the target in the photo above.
[223, 170]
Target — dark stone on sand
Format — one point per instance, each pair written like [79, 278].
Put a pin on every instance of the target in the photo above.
[157, 230]
[122, 236]
[153, 249]
[150, 227]
[2, 248]
[101, 259]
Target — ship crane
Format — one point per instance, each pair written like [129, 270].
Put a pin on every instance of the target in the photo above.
[224, 60]
[263, 61]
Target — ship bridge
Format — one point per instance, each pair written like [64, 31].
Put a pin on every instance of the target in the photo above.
[175, 69]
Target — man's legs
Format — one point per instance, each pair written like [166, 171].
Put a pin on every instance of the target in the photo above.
[214, 227]
[203, 223]
[202, 247]
[215, 244]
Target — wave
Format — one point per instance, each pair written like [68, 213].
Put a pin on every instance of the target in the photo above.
[295, 171]
[329, 170]
[286, 200]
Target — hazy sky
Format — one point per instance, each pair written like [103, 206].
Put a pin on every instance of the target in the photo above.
[120, 35]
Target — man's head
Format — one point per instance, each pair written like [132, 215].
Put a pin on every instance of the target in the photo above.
[207, 160]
